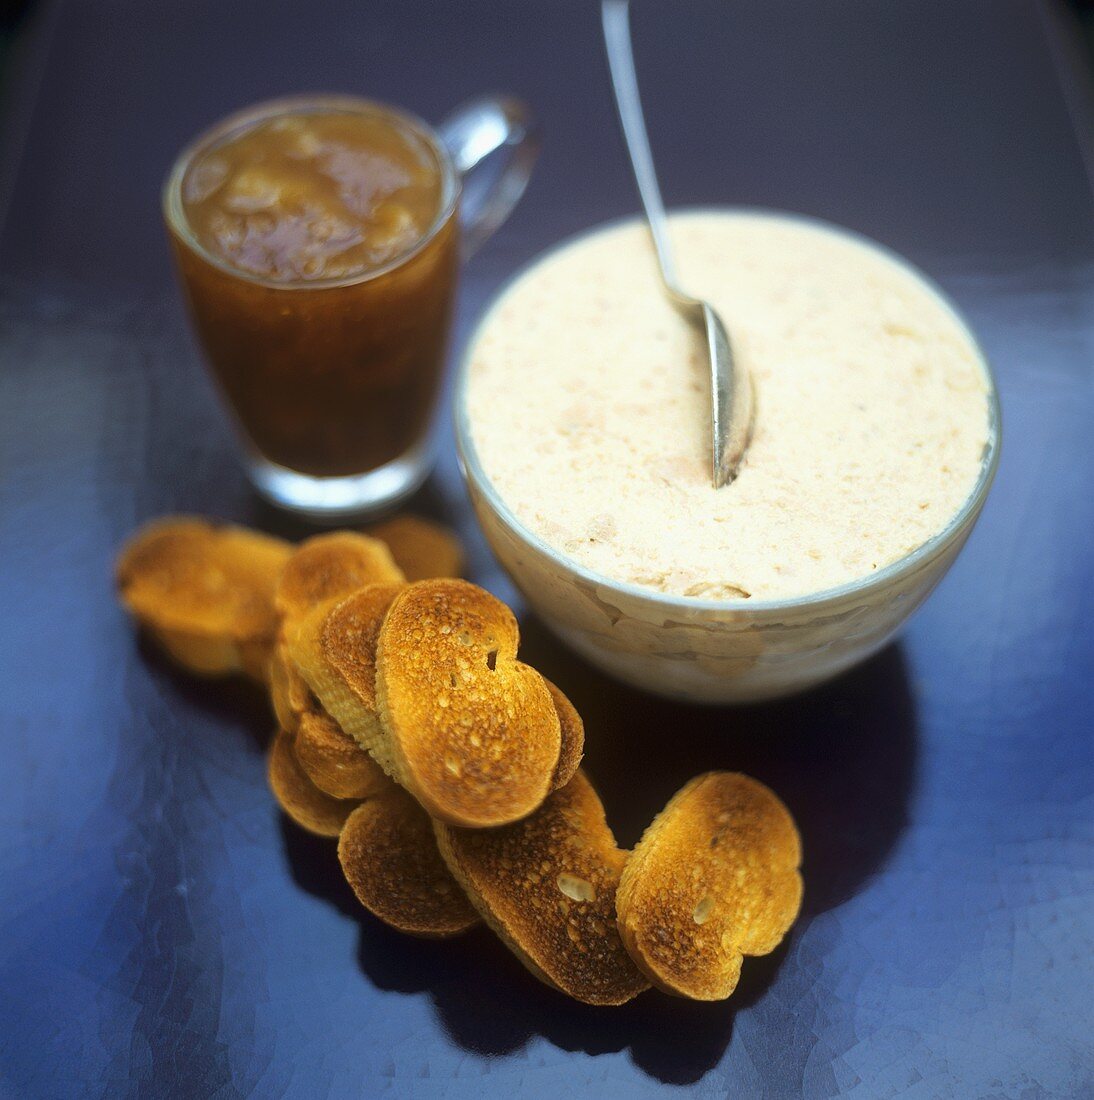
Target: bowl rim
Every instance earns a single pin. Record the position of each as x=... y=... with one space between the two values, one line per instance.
x=474 y=474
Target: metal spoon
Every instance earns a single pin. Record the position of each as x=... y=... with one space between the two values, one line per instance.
x=730 y=386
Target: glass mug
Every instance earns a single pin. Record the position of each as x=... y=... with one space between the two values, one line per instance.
x=333 y=380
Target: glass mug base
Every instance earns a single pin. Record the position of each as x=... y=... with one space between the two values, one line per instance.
x=338 y=498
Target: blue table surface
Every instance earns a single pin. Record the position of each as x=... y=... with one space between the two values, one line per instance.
x=163 y=932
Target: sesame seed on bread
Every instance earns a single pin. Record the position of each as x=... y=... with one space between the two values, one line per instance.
x=546 y=885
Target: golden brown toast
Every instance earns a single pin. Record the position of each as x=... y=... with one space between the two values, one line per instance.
x=421 y=548
x=334 y=649
x=332 y=565
x=289 y=692
x=301 y=799
x=389 y=856
x=471 y=732
x=546 y=885
x=333 y=761
x=573 y=738
x=714 y=877
x=321 y=570
x=205 y=592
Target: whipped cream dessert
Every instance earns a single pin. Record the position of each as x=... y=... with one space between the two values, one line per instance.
x=588 y=405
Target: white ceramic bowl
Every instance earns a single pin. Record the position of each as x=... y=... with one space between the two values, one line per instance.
x=718 y=651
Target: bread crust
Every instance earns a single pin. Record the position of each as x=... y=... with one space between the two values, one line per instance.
x=546 y=885
x=572 y=737
x=289 y=693
x=389 y=856
x=333 y=761
x=333 y=648
x=714 y=877
x=301 y=799
x=323 y=570
x=471 y=732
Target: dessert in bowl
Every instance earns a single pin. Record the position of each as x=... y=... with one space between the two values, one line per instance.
x=582 y=413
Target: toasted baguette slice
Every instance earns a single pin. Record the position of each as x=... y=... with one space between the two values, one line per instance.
x=333 y=761
x=334 y=650
x=573 y=738
x=205 y=592
x=546 y=885
x=301 y=799
x=330 y=758
x=421 y=548
x=322 y=570
x=389 y=856
x=332 y=566
x=713 y=878
x=290 y=695
x=471 y=732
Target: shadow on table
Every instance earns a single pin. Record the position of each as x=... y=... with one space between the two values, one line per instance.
x=841 y=756
x=233 y=701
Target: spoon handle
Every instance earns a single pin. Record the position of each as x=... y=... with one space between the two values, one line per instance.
x=730 y=388
x=617 y=39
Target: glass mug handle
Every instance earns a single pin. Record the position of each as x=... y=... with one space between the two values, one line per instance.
x=472 y=133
